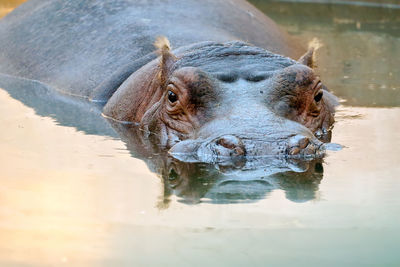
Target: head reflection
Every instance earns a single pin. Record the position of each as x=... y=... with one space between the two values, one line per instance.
x=245 y=181
x=195 y=182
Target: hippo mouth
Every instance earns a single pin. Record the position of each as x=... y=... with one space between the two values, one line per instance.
x=233 y=150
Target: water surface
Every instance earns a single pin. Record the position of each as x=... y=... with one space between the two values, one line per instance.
x=71 y=196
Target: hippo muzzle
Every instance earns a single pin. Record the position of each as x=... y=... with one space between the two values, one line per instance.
x=230 y=140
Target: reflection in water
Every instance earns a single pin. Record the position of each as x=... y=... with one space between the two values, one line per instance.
x=67 y=111
x=246 y=181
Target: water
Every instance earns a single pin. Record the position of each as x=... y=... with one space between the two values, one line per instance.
x=73 y=197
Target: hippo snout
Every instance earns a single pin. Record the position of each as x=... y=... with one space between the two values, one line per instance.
x=227 y=148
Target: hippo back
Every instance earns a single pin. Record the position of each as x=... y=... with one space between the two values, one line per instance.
x=86 y=47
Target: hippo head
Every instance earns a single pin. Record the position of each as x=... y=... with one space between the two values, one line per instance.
x=215 y=102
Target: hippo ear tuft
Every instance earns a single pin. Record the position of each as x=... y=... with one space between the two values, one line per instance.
x=309 y=58
x=162 y=43
x=167 y=58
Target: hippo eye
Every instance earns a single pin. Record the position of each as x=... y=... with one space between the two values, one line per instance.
x=318 y=96
x=172 y=97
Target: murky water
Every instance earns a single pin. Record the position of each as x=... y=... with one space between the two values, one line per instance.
x=70 y=196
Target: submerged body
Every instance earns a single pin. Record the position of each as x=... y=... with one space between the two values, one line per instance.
x=213 y=98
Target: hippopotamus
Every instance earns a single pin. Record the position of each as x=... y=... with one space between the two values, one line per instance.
x=209 y=81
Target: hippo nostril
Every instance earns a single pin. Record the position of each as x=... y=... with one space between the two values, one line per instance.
x=233 y=144
x=297 y=143
x=238 y=151
x=294 y=151
x=228 y=141
x=303 y=142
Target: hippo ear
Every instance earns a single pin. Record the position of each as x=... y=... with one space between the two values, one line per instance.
x=308 y=58
x=167 y=58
